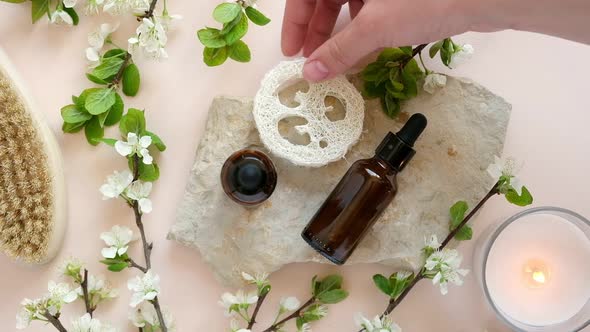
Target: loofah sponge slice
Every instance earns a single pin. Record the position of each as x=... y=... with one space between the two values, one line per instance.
x=32 y=197
x=329 y=140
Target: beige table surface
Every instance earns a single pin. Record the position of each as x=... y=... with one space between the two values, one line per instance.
x=545 y=79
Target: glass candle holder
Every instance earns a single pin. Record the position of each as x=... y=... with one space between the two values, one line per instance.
x=534 y=269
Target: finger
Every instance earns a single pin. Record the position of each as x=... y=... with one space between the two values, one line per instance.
x=298 y=13
x=342 y=51
x=355 y=6
x=322 y=24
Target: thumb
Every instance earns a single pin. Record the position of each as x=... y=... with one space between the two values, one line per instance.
x=342 y=51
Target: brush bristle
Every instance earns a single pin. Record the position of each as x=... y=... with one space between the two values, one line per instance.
x=26 y=211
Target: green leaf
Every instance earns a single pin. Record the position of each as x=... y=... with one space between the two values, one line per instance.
x=132 y=122
x=239 y=51
x=211 y=37
x=81 y=100
x=410 y=84
x=398 y=284
x=99 y=100
x=392 y=54
x=118 y=267
x=265 y=290
x=108 y=68
x=435 y=48
x=408 y=50
x=412 y=68
x=108 y=141
x=93 y=131
x=149 y=173
x=214 y=56
x=390 y=105
x=315 y=285
x=333 y=296
x=115 y=53
x=238 y=31
x=157 y=141
x=131 y=80
x=116 y=111
x=72 y=128
x=373 y=90
x=382 y=283
x=256 y=16
x=38 y=9
x=14 y=1
x=524 y=199
x=73 y=114
x=373 y=71
x=95 y=79
x=226 y=12
x=464 y=234
x=457 y=212
x=73 y=15
x=329 y=283
x=299 y=323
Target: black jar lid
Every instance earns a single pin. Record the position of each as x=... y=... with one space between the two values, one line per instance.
x=248 y=177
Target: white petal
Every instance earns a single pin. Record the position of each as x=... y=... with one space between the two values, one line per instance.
x=92 y=54
x=147 y=158
x=122 y=251
x=132 y=138
x=517 y=185
x=145 y=141
x=145 y=205
x=123 y=148
x=110 y=252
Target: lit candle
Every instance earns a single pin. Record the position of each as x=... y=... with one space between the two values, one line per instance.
x=538 y=270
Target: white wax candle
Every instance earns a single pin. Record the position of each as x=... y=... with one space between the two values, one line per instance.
x=538 y=270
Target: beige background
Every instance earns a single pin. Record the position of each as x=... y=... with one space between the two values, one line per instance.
x=546 y=80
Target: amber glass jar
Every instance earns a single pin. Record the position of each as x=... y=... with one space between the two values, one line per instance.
x=248 y=177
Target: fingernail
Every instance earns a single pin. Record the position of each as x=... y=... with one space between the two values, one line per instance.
x=315 y=71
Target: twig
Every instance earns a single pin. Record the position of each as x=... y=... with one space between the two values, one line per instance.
x=132 y=263
x=393 y=303
x=119 y=74
x=255 y=313
x=418 y=49
x=147 y=246
x=55 y=322
x=150 y=12
x=84 y=286
x=295 y=314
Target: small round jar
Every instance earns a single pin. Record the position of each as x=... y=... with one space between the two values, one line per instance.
x=248 y=177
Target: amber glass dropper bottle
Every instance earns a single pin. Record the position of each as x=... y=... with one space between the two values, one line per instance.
x=361 y=196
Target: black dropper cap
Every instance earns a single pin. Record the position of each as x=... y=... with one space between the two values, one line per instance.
x=397 y=149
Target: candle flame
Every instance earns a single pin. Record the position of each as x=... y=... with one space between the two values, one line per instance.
x=539 y=277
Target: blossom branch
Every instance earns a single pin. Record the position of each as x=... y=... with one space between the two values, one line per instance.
x=256 y=310
x=295 y=314
x=133 y=264
x=55 y=322
x=395 y=301
x=150 y=12
x=84 y=286
x=119 y=74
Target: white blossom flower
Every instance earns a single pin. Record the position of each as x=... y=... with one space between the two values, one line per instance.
x=507 y=168
x=260 y=279
x=151 y=39
x=432 y=242
x=86 y=324
x=116 y=7
x=71 y=267
x=30 y=310
x=240 y=299
x=139 y=191
x=433 y=82
x=69 y=3
x=145 y=288
x=117 y=240
x=289 y=304
x=59 y=294
x=306 y=327
x=234 y=327
x=60 y=17
x=98 y=290
x=376 y=324
x=116 y=184
x=145 y=314
x=167 y=20
x=249 y=3
x=462 y=54
x=443 y=267
x=92 y=7
x=135 y=145
x=98 y=37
